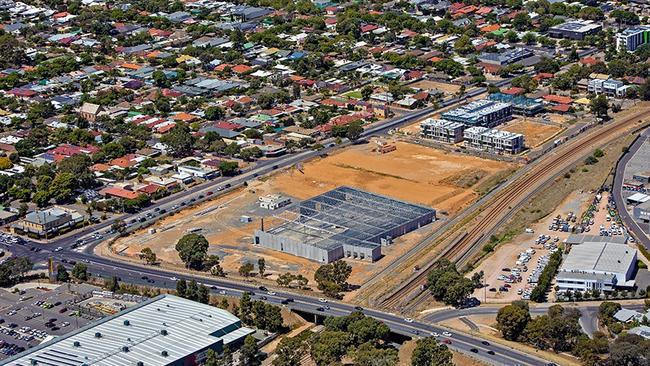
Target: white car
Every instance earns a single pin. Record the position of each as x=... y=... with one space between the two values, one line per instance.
x=323 y=300
x=446 y=334
x=435 y=334
x=408 y=320
x=271 y=293
x=222 y=292
x=173 y=279
x=58 y=249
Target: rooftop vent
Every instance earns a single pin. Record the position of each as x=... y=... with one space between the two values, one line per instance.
x=126 y=322
x=163 y=332
x=125 y=349
x=140 y=363
x=33 y=361
x=164 y=353
x=98 y=335
x=76 y=344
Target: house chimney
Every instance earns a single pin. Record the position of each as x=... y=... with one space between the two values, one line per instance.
x=262 y=224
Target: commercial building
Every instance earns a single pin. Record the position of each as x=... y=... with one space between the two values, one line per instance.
x=610 y=87
x=199 y=172
x=484 y=113
x=441 y=130
x=344 y=222
x=505 y=58
x=575 y=29
x=632 y=38
x=520 y=105
x=47 y=222
x=166 y=330
x=274 y=201
x=601 y=266
x=642 y=212
x=497 y=141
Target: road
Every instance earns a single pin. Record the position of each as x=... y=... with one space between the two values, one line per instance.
x=132 y=273
x=588 y=313
x=154 y=276
x=617 y=190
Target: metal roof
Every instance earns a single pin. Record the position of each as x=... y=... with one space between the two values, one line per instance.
x=168 y=323
x=602 y=257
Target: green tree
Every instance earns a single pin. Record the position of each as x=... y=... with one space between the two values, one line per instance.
x=80 y=271
x=112 y=284
x=369 y=355
x=329 y=347
x=428 y=352
x=512 y=320
x=62 y=274
x=214 y=113
x=447 y=284
x=228 y=168
x=62 y=186
x=261 y=266
x=246 y=269
x=366 y=92
x=249 y=352
x=192 y=249
x=179 y=139
x=599 y=105
x=148 y=255
x=354 y=130
x=181 y=287
x=290 y=351
x=332 y=278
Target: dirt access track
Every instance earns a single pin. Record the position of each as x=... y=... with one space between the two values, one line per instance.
x=413 y=173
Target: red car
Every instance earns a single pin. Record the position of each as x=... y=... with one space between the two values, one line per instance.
x=446 y=341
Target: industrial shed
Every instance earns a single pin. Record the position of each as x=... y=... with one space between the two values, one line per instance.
x=165 y=330
x=344 y=222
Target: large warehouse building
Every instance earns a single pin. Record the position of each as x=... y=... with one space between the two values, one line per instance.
x=166 y=330
x=601 y=265
x=344 y=222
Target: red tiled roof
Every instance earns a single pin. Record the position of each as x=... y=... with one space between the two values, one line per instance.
x=561 y=108
x=120 y=193
x=558 y=99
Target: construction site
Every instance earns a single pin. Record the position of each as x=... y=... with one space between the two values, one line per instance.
x=414 y=176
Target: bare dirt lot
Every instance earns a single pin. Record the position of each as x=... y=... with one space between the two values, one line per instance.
x=413 y=173
x=433 y=85
x=535 y=133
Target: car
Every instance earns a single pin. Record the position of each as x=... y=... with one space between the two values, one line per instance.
x=323 y=300
x=263 y=298
x=262 y=288
x=474 y=350
x=55 y=328
x=58 y=249
x=222 y=292
x=150 y=281
x=210 y=193
x=435 y=334
x=63 y=310
x=446 y=334
x=57 y=303
x=320 y=308
x=492 y=289
x=173 y=278
x=358 y=308
x=446 y=341
x=284 y=302
x=213 y=287
x=485 y=343
x=271 y=293
x=157 y=209
x=408 y=320
x=490 y=352
x=144 y=277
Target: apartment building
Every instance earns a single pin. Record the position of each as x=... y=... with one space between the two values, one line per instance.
x=610 y=87
x=497 y=141
x=483 y=113
x=632 y=38
x=441 y=130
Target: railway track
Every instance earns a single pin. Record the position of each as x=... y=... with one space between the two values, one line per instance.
x=495 y=212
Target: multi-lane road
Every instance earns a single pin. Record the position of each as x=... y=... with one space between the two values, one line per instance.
x=133 y=273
